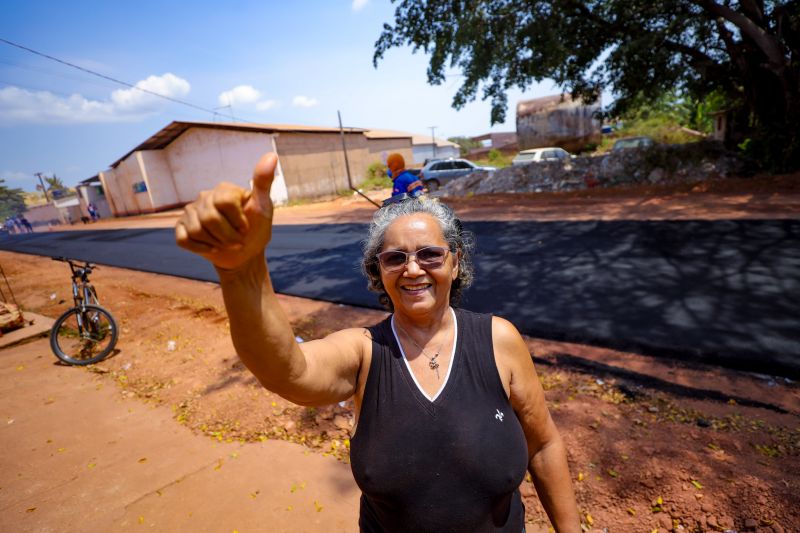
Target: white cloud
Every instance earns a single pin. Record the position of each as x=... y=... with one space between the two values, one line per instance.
x=135 y=100
x=266 y=104
x=304 y=101
x=358 y=5
x=245 y=96
x=240 y=95
x=124 y=105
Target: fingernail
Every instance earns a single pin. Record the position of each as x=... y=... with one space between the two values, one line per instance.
x=235 y=246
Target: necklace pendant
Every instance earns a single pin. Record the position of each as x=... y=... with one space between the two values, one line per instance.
x=434 y=365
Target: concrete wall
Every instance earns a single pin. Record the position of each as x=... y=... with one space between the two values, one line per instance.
x=568 y=124
x=94 y=194
x=42 y=215
x=201 y=158
x=119 y=182
x=158 y=176
x=379 y=150
x=313 y=163
x=425 y=151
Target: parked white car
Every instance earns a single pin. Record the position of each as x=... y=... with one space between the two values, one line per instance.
x=552 y=153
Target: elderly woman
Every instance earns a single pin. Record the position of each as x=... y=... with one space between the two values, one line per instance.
x=450 y=412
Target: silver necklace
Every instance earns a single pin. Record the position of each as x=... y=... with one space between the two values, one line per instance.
x=433 y=364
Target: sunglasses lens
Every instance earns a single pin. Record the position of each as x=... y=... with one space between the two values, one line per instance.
x=433 y=256
x=392 y=260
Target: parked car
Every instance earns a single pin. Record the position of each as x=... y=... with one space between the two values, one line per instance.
x=438 y=172
x=552 y=153
x=608 y=165
x=632 y=142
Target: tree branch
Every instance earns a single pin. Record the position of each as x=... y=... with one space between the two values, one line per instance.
x=769 y=45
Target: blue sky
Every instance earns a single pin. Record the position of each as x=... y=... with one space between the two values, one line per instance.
x=274 y=62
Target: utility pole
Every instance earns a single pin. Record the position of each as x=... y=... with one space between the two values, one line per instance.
x=347 y=164
x=44 y=189
x=433 y=139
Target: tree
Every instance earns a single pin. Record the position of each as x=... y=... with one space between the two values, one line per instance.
x=54 y=183
x=11 y=201
x=747 y=51
x=465 y=144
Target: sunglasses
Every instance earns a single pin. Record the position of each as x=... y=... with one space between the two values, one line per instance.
x=428 y=257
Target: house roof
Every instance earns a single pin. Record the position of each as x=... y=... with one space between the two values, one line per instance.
x=415 y=139
x=87 y=181
x=173 y=130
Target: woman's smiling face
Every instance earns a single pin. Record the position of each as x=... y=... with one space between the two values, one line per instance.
x=415 y=290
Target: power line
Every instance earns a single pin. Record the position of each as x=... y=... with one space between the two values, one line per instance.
x=109 y=78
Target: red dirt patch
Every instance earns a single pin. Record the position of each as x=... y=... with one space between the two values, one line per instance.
x=653 y=444
x=631 y=441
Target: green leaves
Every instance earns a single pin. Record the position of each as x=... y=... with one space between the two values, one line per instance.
x=639 y=49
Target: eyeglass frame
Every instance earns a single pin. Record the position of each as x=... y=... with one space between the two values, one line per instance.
x=408 y=258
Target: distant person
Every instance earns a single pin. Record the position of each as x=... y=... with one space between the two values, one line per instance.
x=25 y=224
x=404 y=182
x=93 y=211
x=450 y=413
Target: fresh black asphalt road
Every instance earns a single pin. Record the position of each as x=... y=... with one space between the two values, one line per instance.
x=719 y=291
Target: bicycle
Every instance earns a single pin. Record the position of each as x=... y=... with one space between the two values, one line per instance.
x=86 y=333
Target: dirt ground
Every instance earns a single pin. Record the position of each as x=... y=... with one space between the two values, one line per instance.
x=654 y=445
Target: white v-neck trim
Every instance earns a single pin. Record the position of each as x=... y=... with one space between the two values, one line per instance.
x=449 y=369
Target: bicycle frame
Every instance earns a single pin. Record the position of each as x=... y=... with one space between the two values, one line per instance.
x=81 y=292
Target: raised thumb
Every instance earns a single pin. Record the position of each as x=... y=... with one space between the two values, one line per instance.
x=264 y=172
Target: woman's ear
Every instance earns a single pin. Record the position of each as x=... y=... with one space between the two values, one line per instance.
x=457 y=260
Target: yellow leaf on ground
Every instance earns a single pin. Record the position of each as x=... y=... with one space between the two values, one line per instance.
x=580 y=476
x=30 y=509
x=219 y=464
x=631 y=511
x=289 y=508
x=659 y=501
x=317 y=506
x=141 y=520
x=589 y=519
x=21 y=367
x=143 y=460
x=91 y=465
x=697 y=484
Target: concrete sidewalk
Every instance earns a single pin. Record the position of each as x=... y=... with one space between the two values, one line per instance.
x=81 y=457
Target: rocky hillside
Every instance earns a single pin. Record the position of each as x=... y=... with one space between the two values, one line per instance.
x=682 y=163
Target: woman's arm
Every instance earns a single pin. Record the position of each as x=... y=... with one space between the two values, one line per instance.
x=231 y=227
x=547 y=457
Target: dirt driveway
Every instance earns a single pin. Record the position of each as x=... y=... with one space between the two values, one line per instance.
x=653 y=444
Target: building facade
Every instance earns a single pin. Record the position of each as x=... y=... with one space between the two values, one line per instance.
x=557 y=120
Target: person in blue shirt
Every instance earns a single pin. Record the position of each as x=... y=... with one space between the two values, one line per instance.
x=404 y=181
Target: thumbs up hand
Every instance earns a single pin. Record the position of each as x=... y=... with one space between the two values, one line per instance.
x=230 y=225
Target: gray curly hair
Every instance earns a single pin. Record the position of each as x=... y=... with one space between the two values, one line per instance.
x=458 y=240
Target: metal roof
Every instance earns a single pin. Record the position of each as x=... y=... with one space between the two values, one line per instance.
x=173 y=130
x=415 y=139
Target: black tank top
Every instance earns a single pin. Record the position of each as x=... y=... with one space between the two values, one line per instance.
x=451 y=464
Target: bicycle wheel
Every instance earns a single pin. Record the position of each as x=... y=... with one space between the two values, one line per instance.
x=83 y=336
